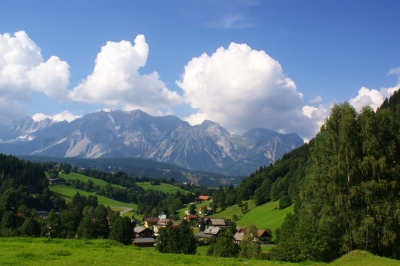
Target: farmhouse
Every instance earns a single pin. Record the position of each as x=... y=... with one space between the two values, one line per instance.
x=189 y=217
x=262 y=235
x=206 y=222
x=150 y=222
x=214 y=231
x=201 y=199
x=142 y=232
x=217 y=222
x=204 y=210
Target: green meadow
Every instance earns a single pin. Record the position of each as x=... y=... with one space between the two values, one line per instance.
x=265 y=216
x=47 y=251
x=233 y=210
x=69 y=192
x=165 y=188
x=98 y=182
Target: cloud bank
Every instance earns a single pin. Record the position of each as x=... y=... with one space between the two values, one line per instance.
x=242 y=88
x=116 y=82
x=23 y=70
x=372 y=97
x=63 y=116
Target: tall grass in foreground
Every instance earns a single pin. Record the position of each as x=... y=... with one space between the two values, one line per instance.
x=43 y=251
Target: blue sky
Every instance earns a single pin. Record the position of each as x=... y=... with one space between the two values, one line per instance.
x=243 y=64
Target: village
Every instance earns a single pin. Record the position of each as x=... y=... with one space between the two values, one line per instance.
x=205 y=228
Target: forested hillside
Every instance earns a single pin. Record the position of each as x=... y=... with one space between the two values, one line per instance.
x=349 y=196
x=24 y=194
x=344 y=183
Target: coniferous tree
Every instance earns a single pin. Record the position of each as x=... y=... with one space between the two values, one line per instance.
x=177 y=240
x=30 y=227
x=250 y=245
x=53 y=225
x=101 y=227
x=225 y=246
x=86 y=228
x=162 y=240
x=8 y=222
x=187 y=239
x=348 y=199
x=202 y=224
x=192 y=209
x=121 y=230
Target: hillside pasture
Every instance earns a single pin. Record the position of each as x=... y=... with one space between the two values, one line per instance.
x=69 y=192
x=233 y=210
x=98 y=182
x=265 y=216
x=165 y=188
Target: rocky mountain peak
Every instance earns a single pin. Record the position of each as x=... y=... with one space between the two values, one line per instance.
x=206 y=147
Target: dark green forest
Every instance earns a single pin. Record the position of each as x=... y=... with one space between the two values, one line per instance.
x=344 y=184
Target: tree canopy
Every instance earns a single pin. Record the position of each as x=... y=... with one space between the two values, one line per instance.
x=349 y=197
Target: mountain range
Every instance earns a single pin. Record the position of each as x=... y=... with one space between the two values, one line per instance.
x=207 y=147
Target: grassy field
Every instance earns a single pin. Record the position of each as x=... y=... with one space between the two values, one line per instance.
x=235 y=209
x=165 y=188
x=83 y=178
x=181 y=212
x=42 y=251
x=69 y=192
x=265 y=216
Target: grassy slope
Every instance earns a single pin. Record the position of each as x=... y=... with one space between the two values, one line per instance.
x=265 y=216
x=69 y=192
x=41 y=251
x=165 y=188
x=358 y=257
x=235 y=209
x=83 y=178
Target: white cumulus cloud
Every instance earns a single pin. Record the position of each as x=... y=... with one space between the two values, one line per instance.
x=242 y=88
x=63 y=116
x=317 y=114
x=23 y=70
x=371 y=97
x=116 y=82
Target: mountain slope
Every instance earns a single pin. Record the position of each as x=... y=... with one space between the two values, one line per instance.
x=206 y=147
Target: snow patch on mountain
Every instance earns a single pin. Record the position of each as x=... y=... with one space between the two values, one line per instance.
x=206 y=147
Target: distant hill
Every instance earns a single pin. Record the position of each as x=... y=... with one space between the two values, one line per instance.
x=207 y=147
x=140 y=167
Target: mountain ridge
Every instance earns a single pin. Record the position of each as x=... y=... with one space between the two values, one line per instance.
x=206 y=147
